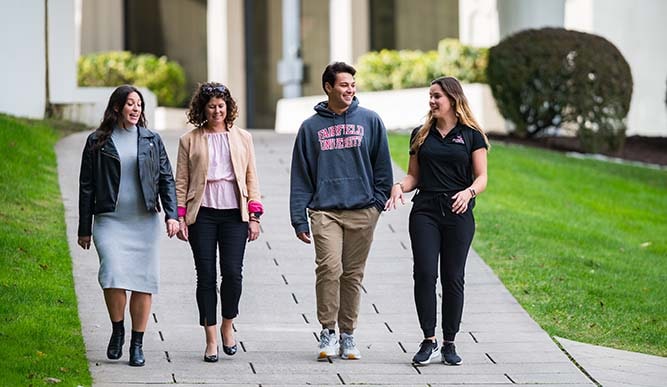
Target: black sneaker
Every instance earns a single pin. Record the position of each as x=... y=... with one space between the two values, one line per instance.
x=428 y=350
x=449 y=355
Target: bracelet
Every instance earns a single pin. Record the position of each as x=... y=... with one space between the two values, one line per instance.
x=400 y=185
x=255 y=220
x=472 y=191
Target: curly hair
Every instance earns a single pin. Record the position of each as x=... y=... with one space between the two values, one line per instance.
x=205 y=91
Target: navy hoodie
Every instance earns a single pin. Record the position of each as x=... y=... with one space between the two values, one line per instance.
x=340 y=161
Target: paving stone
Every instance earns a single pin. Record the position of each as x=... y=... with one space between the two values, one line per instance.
x=278 y=335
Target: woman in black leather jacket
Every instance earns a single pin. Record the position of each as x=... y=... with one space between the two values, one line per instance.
x=124 y=170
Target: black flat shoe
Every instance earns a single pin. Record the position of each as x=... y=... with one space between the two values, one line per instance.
x=211 y=358
x=115 y=348
x=230 y=351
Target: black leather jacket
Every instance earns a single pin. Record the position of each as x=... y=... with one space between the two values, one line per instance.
x=100 y=178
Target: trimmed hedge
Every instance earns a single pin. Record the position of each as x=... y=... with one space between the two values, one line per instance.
x=394 y=69
x=466 y=63
x=554 y=78
x=391 y=69
x=163 y=77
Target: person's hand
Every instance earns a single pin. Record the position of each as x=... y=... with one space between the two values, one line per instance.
x=182 y=230
x=172 y=227
x=84 y=242
x=304 y=236
x=253 y=231
x=395 y=196
x=460 y=201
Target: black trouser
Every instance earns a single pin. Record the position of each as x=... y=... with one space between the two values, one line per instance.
x=225 y=230
x=435 y=231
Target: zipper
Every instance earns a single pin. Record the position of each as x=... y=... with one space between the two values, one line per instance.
x=109 y=154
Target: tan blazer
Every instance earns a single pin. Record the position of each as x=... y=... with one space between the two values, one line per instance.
x=192 y=170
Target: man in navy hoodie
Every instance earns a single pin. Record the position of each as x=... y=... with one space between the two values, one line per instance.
x=341 y=177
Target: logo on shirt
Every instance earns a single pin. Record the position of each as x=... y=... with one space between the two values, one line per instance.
x=340 y=137
x=458 y=139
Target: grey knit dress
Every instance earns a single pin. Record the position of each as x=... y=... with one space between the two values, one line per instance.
x=126 y=239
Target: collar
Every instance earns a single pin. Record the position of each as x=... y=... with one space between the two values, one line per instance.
x=145 y=133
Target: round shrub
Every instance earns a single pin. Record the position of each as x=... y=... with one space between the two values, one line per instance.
x=163 y=77
x=554 y=78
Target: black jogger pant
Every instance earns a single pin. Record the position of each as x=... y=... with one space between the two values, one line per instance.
x=224 y=230
x=436 y=232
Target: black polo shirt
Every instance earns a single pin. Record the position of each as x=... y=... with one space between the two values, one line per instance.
x=445 y=164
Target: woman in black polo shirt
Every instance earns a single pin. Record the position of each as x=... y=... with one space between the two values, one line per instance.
x=448 y=166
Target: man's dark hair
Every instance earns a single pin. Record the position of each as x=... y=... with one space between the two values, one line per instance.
x=330 y=72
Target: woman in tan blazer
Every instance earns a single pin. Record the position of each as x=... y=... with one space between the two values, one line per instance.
x=219 y=206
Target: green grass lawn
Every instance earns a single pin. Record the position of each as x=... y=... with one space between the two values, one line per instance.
x=581 y=244
x=40 y=332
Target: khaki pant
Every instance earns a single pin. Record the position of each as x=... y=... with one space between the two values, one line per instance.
x=342 y=241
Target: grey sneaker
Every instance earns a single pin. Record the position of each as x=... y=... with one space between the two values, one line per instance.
x=348 y=349
x=428 y=350
x=449 y=355
x=328 y=345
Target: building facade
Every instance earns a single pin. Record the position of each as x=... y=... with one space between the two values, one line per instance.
x=265 y=50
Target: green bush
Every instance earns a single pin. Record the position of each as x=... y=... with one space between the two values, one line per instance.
x=163 y=77
x=554 y=78
x=394 y=69
x=467 y=63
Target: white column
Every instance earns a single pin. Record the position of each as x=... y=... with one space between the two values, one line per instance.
x=579 y=15
x=23 y=64
x=639 y=34
x=62 y=49
x=290 y=67
x=478 y=22
x=217 y=37
x=517 y=15
x=340 y=31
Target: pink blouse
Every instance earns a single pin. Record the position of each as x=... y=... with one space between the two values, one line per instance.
x=220 y=192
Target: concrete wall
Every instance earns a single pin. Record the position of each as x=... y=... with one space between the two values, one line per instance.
x=399 y=109
x=23 y=67
x=184 y=33
x=102 y=26
x=420 y=25
x=315 y=44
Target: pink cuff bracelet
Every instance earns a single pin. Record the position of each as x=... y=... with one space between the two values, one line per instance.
x=255 y=206
x=181 y=211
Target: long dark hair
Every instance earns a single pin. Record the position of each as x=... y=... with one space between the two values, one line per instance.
x=203 y=94
x=454 y=91
x=113 y=114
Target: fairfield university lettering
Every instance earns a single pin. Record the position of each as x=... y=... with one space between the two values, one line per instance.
x=340 y=136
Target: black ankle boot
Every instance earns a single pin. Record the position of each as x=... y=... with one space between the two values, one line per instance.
x=115 y=348
x=136 y=349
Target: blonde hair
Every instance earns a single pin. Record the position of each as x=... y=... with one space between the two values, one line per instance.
x=453 y=90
